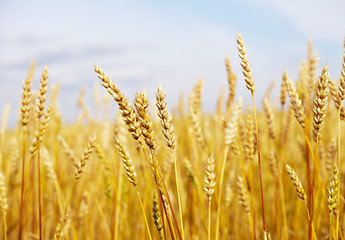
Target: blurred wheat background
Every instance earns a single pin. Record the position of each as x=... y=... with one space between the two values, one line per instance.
x=161 y=121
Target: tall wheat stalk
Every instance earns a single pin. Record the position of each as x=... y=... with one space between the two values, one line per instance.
x=168 y=132
x=25 y=114
x=42 y=96
x=341 y=94
x=319 y=113
x=248 y=77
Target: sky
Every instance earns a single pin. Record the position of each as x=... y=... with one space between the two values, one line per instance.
x=144 y=44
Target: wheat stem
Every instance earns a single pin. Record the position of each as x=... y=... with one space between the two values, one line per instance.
x=259 y=161
x=39 y=181
x=142 y=208
x=22 y=190
x=118 y=204
x=338 y=163
x=178 y=193
x=220 y=189
x=209 y=219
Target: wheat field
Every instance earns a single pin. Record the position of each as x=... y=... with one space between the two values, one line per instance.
x=242 y=172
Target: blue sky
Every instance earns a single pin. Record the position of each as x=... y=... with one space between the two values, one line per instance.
x=141 y=44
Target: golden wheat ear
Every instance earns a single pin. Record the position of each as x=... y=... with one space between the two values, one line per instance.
x=168 y=129
x=297 y=183
x=210 y=177
x=320 y=101
x=127 y=111
x=295 y=102
x=247 y=72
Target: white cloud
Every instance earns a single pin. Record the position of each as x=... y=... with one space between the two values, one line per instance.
x=314 y=18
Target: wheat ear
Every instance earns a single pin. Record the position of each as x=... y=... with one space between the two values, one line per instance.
x=297 y=183
x=168 y=129
x=157 y=217
x=231 y=82
x=295 y=102
x=126 y=109
x=270 y=118
x=142 y=107
x=283 y=89
x=243 y=195
x=209 y=188
x=127 y=162
x=333 y=192
x=86 y=156
x=248 y=75
x=320 y=101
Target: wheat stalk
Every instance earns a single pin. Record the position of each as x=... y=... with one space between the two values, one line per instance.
x=168 y=132
x=248 y=77
x=25 y=110
x=42 y=97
